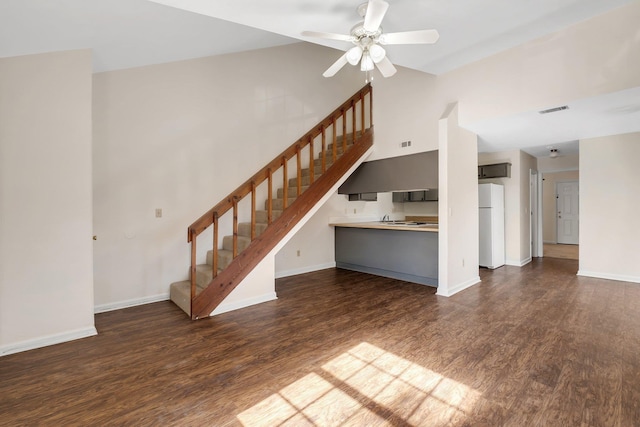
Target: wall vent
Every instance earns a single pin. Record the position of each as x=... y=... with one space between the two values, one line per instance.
x=553 y=110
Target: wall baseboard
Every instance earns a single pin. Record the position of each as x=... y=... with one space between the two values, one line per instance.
x=237 y=305
x=518 y=263
x=459 y=287
x=302 y=270
x=47 y=341
x=102 y=308
x=609 y=276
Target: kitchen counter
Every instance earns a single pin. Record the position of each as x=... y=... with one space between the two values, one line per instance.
x=407 y=252
x=380 y=225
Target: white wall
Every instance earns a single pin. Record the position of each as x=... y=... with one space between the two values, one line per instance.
x=609 y=206
x=570 y=162
x=183 y=135
x=46 y=265
x=458 y=239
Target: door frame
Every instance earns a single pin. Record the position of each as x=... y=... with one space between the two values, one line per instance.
x=535 y=209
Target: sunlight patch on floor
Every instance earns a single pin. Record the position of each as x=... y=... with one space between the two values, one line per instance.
x=366 y=386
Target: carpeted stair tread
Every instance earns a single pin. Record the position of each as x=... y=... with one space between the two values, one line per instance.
x=243 y=242
x=261 y=216
x=291 y=191
x=244 y=229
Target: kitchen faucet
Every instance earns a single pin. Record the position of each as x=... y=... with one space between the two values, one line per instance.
x=385 y=218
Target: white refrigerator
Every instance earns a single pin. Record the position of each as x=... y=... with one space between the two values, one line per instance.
x=491 y=202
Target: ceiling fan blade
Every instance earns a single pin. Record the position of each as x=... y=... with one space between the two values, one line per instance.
x=330 y=36
x=376 y=10
x=341 y=62
x=410 y=37
x=386 y=67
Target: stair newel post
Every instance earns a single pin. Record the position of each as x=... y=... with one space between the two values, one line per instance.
x=285 y=183
x=324 y=148
x=215 y=245
x=253 y=210
x=334 y=147
x=270 y=196
x=299 y=170
x=311 y=161
x=354 y=115
x=344 y=130
x=234 y=201
x=193 y=267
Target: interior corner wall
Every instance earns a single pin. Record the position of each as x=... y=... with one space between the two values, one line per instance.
x=511 y=200
x=594 y=57
x=46 y=263
x=180 y=137
x=458 y=239
x=609 y=183
x=528 y=163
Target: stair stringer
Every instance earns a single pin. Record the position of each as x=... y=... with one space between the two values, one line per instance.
x=241 y=296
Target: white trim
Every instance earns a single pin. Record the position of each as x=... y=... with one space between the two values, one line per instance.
x=224 y=308
x=102 y=308
x=609 y=276
x=47 y=340
x=306 y=269
x=520 y=263
x=459 y=287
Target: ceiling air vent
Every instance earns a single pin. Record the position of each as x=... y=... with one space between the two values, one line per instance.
x=553 y=110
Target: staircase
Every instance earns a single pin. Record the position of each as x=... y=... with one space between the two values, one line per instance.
x=350 y=130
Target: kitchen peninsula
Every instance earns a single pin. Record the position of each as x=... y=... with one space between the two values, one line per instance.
x=405 y=250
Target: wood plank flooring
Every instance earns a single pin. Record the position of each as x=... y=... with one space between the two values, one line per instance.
x=561 y=251
x=531 y=346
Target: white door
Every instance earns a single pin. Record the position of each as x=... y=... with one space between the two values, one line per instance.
x=567 y=204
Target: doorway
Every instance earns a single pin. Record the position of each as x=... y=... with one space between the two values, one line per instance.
x=567 y=208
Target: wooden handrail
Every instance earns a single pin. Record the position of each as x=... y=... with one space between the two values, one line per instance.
x=206 y=220
x=240 y=265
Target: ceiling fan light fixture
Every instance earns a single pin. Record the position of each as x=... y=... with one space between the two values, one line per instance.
x=354 y=54
x=367 y=63
x=377 y=53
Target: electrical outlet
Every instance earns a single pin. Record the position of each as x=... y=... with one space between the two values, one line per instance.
x=298 y=252
x=158 y=212
x=405 y=144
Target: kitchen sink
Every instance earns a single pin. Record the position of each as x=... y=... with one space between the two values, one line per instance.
x=409 y=223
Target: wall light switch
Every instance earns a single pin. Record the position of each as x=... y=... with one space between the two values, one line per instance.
x=158 y=212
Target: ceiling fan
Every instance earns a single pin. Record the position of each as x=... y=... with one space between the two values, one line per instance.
x=367 y=36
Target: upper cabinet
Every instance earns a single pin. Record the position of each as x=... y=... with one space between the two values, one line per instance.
x=415 y=196
x=498 y=170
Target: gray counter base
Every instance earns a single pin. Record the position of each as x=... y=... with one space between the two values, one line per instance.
x=390 y=274
x=411 y=256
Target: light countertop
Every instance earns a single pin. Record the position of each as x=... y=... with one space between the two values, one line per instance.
x=378 y=225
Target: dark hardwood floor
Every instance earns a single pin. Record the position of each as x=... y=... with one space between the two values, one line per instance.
x=531 y=346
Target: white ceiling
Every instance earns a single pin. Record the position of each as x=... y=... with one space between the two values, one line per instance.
x=131 y=33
